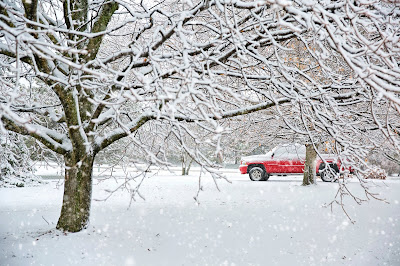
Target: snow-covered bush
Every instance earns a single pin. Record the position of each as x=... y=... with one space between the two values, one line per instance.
x=375 y=173
x=15 y=164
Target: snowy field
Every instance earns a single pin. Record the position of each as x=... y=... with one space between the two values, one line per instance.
x=277 y=222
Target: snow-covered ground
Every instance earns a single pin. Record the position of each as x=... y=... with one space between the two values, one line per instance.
x=277 y=222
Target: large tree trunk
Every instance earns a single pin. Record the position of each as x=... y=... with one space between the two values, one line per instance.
x=310 y=172
x=77 y=195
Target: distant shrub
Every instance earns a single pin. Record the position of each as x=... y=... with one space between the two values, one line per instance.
x=375 y=173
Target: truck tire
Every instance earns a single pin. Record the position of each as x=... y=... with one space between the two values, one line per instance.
x=330 y=173
x=258 y=174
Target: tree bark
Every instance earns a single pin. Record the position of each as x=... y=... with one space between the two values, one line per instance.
x=77 y=195
x=310 y=172
x=186 y=165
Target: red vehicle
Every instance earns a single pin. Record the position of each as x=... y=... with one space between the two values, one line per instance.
x=287 y=159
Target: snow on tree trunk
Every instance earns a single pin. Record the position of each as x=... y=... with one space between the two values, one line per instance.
x=309 y=176
x=77 y=195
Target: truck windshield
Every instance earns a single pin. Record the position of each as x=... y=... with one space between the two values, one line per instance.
x=289 y=151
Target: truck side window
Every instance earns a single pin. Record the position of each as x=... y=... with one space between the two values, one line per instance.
x=280 y=153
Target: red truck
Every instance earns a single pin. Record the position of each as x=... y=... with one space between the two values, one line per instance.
x=287 y=159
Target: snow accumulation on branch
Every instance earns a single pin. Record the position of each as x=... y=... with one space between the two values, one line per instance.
x=53 y=140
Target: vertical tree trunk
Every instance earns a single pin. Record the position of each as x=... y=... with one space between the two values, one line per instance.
x=236 y=157
x=183 y=170
x=186 y=163
x=310 y=172
x=77 y=195
x=183 y=161
x=188 y=166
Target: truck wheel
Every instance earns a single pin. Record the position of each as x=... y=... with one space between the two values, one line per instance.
x=330 y=173
x=258 y=174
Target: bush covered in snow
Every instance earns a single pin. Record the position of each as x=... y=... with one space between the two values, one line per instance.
x=15 y=164
x=26 y=179
x=375 y=173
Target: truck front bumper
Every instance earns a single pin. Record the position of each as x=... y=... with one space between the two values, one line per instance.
x=243 y=169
